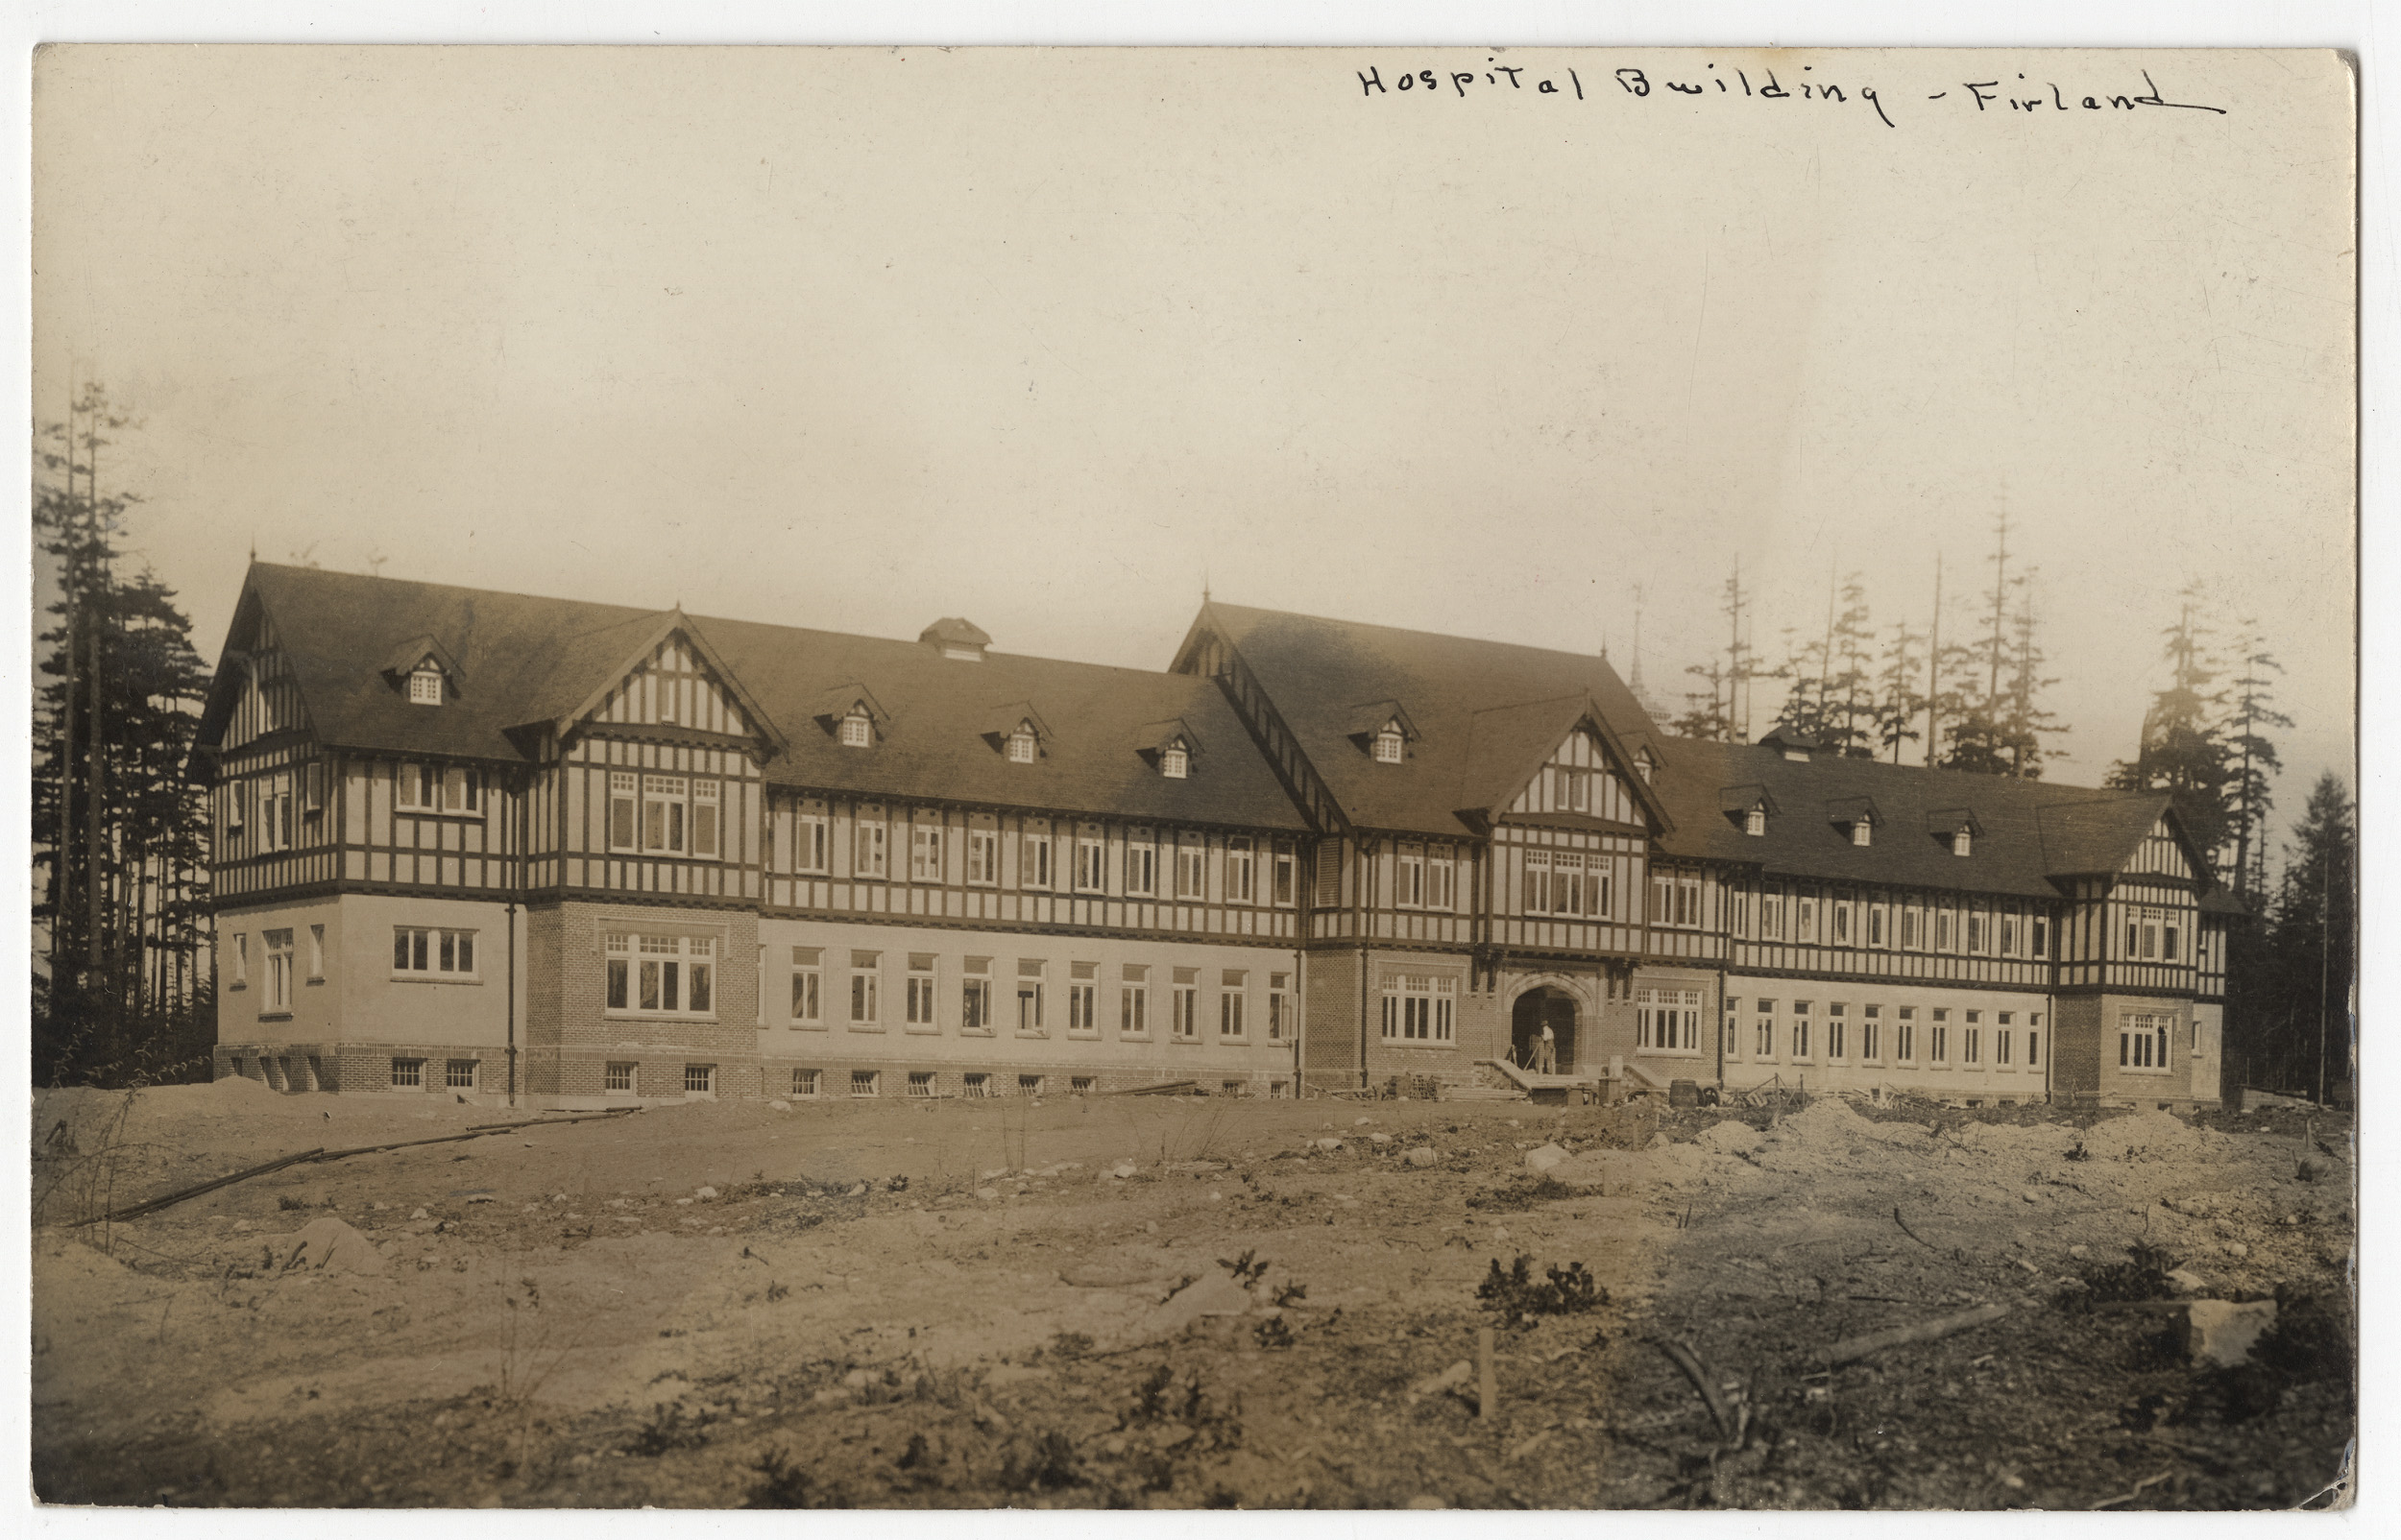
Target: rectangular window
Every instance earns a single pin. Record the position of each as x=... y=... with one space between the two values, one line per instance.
x=2167 y=943
x=1242 y=866
x=1730 y=1041
x=409 y=1075
x=868 y=856
x=806 y=1083
x=1975 y=933
x=975 y=993
x=866 y=980
x=1939 y=1042
x=1875 y=924
x=920 y=1002
x=1287 y=874
x=1034 y=868
x=1667 y=1021
x=1441 y=880
x=662 y=976
x=1905 y=1035
x=240 y=960
x=924 y=853
x=1771 y=917
x=1233 y=995
x=1837 y=1029
x=808 y=986
x=1142 y=864
x=2001 y=1047
x=810 y=840
x=1842 y=924
x=1191 y=870
x=1409 y=886
x=416 y=788
x=1084 y=999
x=1133 y=1000
x=1280 y=1026
x=1030 y=1085
x=2033 y=1050
x=1971 y=1044
x=1091 y=864
x=1800 y=1029
x=1081 y=1085
x=1870 y=1030
x=665 y=815
x=1942 y=931
x=462 y=790
x=2008 y=935
x=975 y=1085
x=865 y=1082
x=316 y=954
x=921 y=1084
x=459 y=1075
x=1419 y=1007
x=984 y=856
x=1763 y=1029
x=423 y=951
x=2142 y=1040
x=1183 y=1009
x=275 y=808
x=279 y=944
x=1031 y=972
x=2041 y=937
x=618 y=1076
x=1805 y=917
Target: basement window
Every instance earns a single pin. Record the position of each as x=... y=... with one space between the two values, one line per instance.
x=921 y=1084
x=459 y=1075
x=865 y=1082
x=409 y=1075
x=700 y=1080
x=805 y=1083
x=618 y=1077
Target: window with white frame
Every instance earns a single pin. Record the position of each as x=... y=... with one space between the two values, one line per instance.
x=921 y=1084
x=1675 y=898
x=1084 y=999
x=1801 y=1029
x=1441 y=878
x=806 y=1083
x=1938 y=1039
x=2142 y=1040
x=1875 y=925
x=1185 y=1005
x=418 y=788
x=1020 y=745
x=1409 y=877
x=425 y=687
x=1174 y=761
x=1569 y=884
x=1771 y=916
x=976 y=1085
x=1141 y=863
x=809 y=986
x=279 y=945
x=1032 y=979
x=665 y=814
x=857 y=730
x=1191 y=869
x=2001 y=1045
x=1842 y=921
x=1133 y=999
x=1092 y=856
x=918 y=1014
x=1837 y=1029
x=812 y=839
x=1667 y=1021
x=1730 y=1042
x=659 y=976
x=1030 y=1085
x=1962 y=842
x=459 y=1075
x=870 y=854
x=866 y=987
x=1242 y=870
x=1763 y=1028
x=275 y=808
x=618 y=1076
x=624 y=807
x=1280 y=1026
x=1909 y=927
x=1390 y=744
x=1905 y=1033
x=924 y=853
x=1419 y=1007
x=1033 y=867
x=1285 y=881
x=866 y=1082
x=1755 y=822
x=433 y=952
x=2008 y=935
x=984 y=856
x=2034 y=1046
x=409 y=1075
x=1971 y=1044
x=1871 y=1034
x=1975 y=933
x=1233 y=996
x=1804 y=918
x=1862 y=831
x=974 y=996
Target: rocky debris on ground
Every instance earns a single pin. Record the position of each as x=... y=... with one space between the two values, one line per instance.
x=329 y=1245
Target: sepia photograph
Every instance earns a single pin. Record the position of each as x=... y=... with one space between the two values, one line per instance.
x=1335 y=778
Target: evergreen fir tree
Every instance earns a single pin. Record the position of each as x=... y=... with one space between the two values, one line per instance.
x=2183 y=750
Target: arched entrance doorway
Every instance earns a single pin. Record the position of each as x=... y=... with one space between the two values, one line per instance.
x=1527 y=1018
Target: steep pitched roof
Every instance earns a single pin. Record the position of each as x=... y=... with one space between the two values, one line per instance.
x=2032 y=834
x=537 y=660
x=1485 y=711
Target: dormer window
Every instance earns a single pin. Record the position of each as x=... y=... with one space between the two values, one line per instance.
x=858 y=730
x=1174 y=762
x=1961 y=842
x=1644 y=765
x=1020 y=745
x=1755 y=822
x=425 y=687
x=1862 y=831
x=1388 y=742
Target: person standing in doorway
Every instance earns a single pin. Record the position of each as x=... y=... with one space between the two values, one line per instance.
x=1547 y=1052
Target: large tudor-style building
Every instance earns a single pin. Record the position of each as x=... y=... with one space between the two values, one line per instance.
x=580 y=853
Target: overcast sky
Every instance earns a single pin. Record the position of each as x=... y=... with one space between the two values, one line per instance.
x=858 y=340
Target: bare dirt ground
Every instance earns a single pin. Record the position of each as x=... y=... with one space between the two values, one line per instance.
x=1153 y=1302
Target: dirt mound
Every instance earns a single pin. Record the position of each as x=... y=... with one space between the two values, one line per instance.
x=2145 y=1136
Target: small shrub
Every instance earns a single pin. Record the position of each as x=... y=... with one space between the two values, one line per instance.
x=2144 y=1276
x=1245 y=1270
x=782 y=1484
x=2080 y=1153
x=669 y=1430
x=285 y=1203
x=1567 y=1291
x=1273 y=1334
x=1046 y=1462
